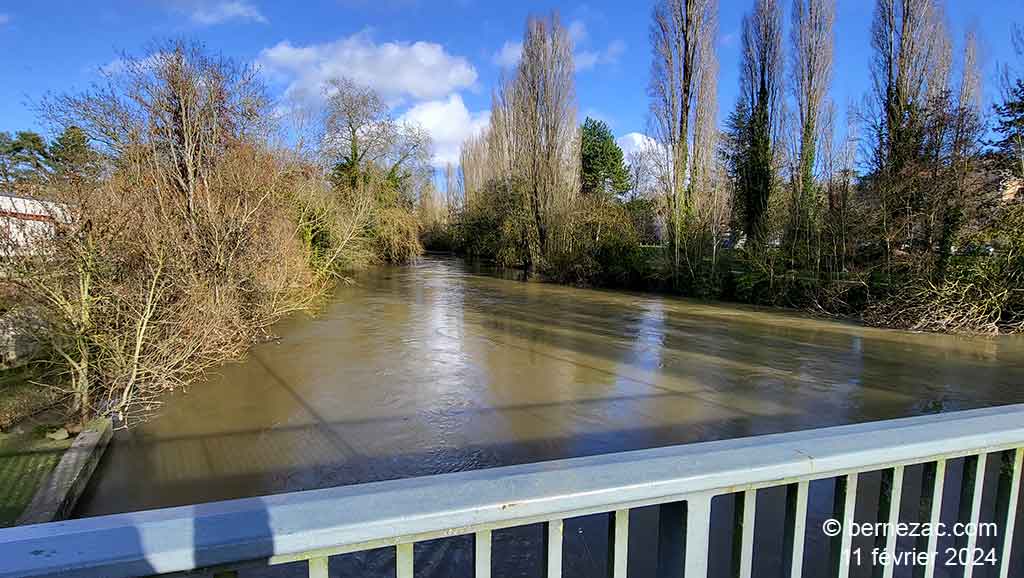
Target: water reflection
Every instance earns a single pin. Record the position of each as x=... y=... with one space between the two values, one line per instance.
x=442 y=367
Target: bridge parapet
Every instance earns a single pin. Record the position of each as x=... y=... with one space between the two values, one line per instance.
x=315 y=525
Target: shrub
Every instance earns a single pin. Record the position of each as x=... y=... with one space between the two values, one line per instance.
x=396 y=233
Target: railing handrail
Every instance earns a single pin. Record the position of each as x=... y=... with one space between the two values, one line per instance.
x=336 y=520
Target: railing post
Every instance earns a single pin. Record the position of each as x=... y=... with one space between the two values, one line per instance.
x=932 y=483
x=404 y=560
x=1006 y=504
x=845 y=504
x=318 y=567
x=974 y=475
x=553 y=548
x=698 y=527
x=889 y=510
x=747 y=533
x=482 y=554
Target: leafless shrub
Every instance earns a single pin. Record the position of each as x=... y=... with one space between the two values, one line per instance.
x=184 y=248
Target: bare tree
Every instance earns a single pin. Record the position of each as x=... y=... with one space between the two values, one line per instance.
x=958 y=197
x=474 y=165
x=359 y=132
x=642 y=171
x=544 y=112
x=186 y=105
x=709 y=194
x=811 y=73
x=682 y=33
x=532 y=141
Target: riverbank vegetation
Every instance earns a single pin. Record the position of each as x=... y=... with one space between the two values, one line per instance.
x=908 y=217
x=179 y=211
x=178 y=227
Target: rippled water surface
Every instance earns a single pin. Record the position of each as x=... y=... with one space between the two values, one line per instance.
x=442 y=366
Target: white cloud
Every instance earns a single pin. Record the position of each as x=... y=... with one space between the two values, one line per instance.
x=511 y=52
x=588 y=59
x=119 y=65
x=635 y=141
x=614 y=50
x=577 y=31
x=420 y=70
x=449 y=123
x=509 y=55
x=217 y=12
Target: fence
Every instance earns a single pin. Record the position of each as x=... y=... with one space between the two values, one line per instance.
x=315 y=525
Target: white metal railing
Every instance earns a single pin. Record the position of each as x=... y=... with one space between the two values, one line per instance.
x=315 y=525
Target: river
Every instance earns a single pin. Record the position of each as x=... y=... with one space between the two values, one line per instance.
x=443 y=366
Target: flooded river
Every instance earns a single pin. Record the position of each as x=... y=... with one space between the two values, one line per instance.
x=442 y=366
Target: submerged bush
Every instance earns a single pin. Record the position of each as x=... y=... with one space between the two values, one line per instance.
x=495 y=225
x=975 y=293
x=604 y=248
x=396 y=232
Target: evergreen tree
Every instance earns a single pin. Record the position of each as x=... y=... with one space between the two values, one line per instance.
x=22 y=158
x=70 y=153
x=602 y=169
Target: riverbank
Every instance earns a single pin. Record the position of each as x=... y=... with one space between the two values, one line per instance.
x=44 y=469
x=20 y=398
x=35 y=443
x=26 y=459
x=894 y=302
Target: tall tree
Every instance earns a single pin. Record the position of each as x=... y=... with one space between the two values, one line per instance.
x=602 y=169
x=681 y=33
x=760 y=85
x=958 y=194
x=71 y=156
x=709 y=193
x=910 y=63
x=543 y=125
x=812 y=42
x=530 y=152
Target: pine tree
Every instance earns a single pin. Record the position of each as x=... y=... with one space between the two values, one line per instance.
x=602 y=170
x=22 y=158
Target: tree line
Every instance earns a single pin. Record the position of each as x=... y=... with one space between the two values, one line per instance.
x=907 y=217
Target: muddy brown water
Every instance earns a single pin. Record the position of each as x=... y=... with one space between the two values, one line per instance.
x=445 y=366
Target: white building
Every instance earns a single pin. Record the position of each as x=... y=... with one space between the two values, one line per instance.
x=22 y=220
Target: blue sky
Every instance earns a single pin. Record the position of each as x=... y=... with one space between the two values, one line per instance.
x=436 y=61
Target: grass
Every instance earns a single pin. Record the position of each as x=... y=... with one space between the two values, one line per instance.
x=25 y=460
x=19 y=398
